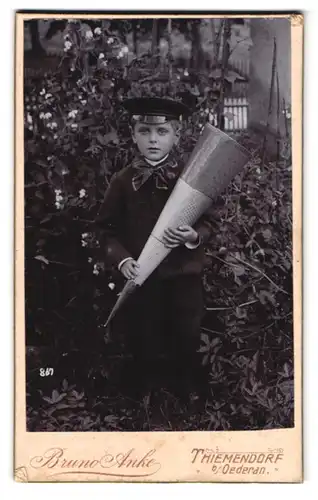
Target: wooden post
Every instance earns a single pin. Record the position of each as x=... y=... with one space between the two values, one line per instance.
x=225 y=59
x=278 y=119
x=270 y=103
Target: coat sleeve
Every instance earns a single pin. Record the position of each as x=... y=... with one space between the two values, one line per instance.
x=109 y=220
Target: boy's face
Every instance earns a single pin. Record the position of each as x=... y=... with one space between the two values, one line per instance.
x=154 y=141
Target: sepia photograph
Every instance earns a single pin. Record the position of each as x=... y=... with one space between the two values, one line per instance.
x=158 y=222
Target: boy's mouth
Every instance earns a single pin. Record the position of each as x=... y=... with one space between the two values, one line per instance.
x=153 y=149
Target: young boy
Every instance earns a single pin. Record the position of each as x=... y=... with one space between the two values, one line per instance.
x=163 y=315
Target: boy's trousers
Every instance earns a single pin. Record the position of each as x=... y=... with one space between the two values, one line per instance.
x=161 y=326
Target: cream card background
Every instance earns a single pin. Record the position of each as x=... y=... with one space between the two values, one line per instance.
x=170 y=454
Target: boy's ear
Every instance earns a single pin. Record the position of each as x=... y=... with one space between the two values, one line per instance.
x=132 y=134
x=177 y=137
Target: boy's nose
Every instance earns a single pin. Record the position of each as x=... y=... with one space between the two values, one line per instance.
x=153 y=137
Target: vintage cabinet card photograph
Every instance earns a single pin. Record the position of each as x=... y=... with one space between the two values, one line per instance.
x=158 y=247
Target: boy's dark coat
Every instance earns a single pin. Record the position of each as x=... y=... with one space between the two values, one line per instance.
x=127 y=217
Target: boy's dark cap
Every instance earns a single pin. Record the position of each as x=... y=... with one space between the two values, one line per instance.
x=155 y=109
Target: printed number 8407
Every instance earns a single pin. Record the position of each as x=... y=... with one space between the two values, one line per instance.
x=46 y=372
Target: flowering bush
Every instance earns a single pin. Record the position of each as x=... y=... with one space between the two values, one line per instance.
x=76 y=137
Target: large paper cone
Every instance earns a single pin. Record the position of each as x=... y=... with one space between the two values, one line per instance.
x=215 y=160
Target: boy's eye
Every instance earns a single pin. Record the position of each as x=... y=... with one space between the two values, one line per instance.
x=143 y=130
x=162 y=131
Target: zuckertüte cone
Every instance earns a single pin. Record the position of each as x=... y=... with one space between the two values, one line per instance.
x=215 y=160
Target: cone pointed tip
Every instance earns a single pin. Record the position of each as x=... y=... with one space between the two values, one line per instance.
x=126 y=291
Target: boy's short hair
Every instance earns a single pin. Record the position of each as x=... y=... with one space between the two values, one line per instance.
x=176 y=124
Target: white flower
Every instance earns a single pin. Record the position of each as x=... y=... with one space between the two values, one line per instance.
x=58 y=204
x=89 y=34
x=41 y=115
x=110 y=40
x=30 y=127
x=84 y=235
x=42 y=92
x=84 y=243
x=74 y=126
x=49 y=158
x=186 y=72
x=29 y=118
x=90 y=259
x=125 y=49
x=59 y=198
x=57 y=191
x=72 y=114
x=258 y=170
x=53 y=125
x=96 y=271
x=64 y=171
x=82 y=193
x=101 y=56
x=28 y=107
x=111 y=286
x=120 y=55
x=288 y=115
x=67 y=45
x=43 y=137
x=48 y=96
x=83 y=101
x=97 y=31
x=55 y=136
x=48 y=115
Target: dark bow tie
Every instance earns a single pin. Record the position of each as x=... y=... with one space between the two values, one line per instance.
x=163 y=173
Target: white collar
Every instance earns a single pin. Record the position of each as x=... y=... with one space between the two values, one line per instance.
x=154 y=163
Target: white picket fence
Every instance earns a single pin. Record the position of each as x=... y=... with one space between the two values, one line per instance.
x=235 y=114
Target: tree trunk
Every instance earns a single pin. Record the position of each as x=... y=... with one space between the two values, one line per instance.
x=154 y=37
x=169 y=29
x=35 y=37
x=135 y=40
x=218 y=42
x=196 y=53
x=215 y=40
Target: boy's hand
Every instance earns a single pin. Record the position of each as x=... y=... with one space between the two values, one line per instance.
x=130 y=269
x=183 y=234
